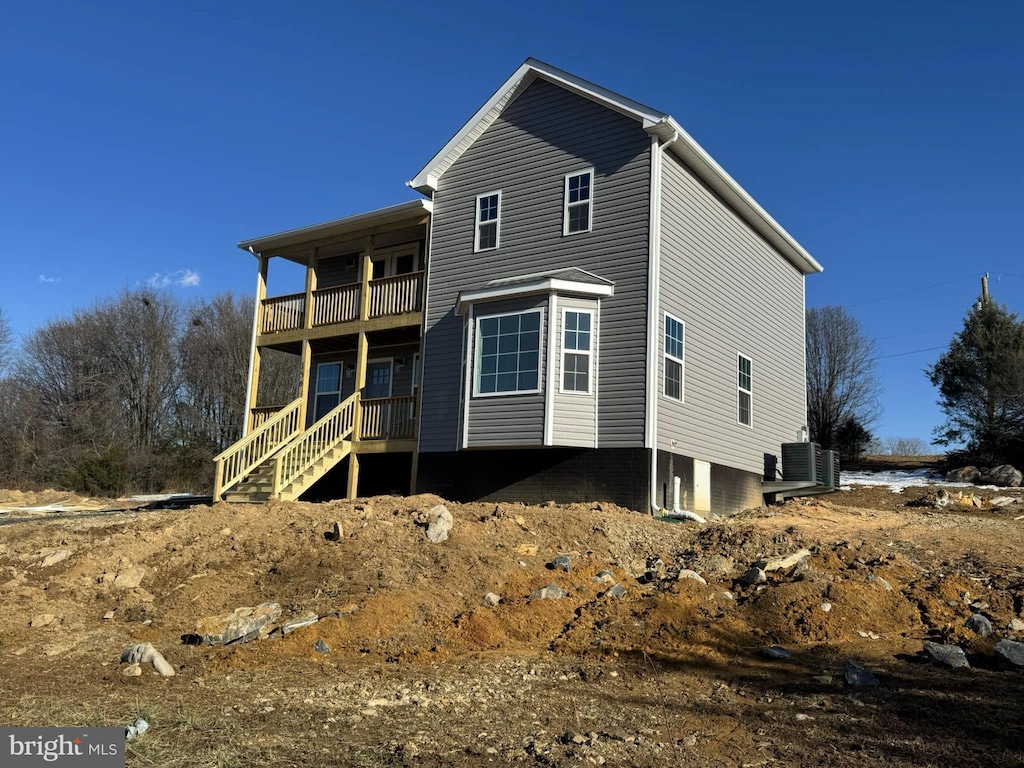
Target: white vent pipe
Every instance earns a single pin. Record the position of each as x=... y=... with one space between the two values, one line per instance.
x=676 y=511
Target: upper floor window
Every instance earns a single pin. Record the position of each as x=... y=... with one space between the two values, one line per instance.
x=579 y=191
x=488 y=219
x=508 y=353
x=674 y=348
x=744 y=391
x=576 y=350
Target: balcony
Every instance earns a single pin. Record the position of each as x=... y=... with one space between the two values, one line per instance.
x=387 y=297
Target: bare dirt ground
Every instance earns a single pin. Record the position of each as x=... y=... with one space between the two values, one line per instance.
x=422 y=671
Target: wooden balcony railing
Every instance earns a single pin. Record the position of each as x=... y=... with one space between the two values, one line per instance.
x=314 y=443
x=388 y=296
x=260 y=416
x=388 y=418
x=396 y=295
x=253 y=449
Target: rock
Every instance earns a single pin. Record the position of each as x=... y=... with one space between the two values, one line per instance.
x=822 y=679
x=1005 y=476
x=963 y=475
x=604 y=577
x=1012 y=651
x=136 y=729
x=727 y=595
x=686 y=573
x=616 y=591
x=241 y=625
x=550 y=592
x=855 y=674
x=321 y=647
x=492 y=599
x=440 y=524
x=225 y=531
x=132 y=670
x=801 y=717
x=1001 y=501
x=42 y=619
x=561 y=563
x=1015 y=625
x=754 y=575
x=108 y=615
x=775 y=652
x=880 y=582
x=826 y=607
x=783 y=563
x=979 y=624
x=335 y=533
x=526 y=550
x=714 y=565
x=54 y=557
x=951 y=656
x=299 y=622
x=145 y=653
x=130 y=578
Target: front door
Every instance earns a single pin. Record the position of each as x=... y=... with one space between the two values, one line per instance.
x=400 y=261
x=378 y=379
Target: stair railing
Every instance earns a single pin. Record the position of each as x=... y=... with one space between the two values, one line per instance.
x=252 y=450
x=315 y=443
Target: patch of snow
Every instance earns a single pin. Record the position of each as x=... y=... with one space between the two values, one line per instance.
x=898 y=479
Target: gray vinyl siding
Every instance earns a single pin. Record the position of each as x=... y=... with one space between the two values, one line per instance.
x=736 y=295
x=338 y=270
x=507 y=420
x=340 y=264
x=401 y=380
x=575 y=414
x=544 y=134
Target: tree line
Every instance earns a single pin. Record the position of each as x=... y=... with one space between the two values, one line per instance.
x=134 y=394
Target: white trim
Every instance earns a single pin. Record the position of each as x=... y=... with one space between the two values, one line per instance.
x=653 y=302
x=589 y=353
x=468 y=343
x=597 y=371
x=549 y=392
x=391 y=373
x=566 y=204
x=477 y=223
x=547 y=273
x=681 y=360
x=478 y=340
x=569 y=287
x=316 y=387
x=423 y=337
x=390 y=255
x=739 y=389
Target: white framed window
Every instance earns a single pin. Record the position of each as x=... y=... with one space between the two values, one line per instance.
x=578 y=206
x=675 y=350
x=745 y=391
x=328 y=389
x=577 y=345
x=507 y=354
x=488 y=221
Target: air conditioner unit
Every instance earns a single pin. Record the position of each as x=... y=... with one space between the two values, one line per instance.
x=830 y=462
x=803 y=462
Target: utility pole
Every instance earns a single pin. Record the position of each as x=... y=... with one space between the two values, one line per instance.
x=984 y=290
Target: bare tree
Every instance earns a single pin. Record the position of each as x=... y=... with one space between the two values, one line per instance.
x=905 y=446
x=6 y=342
x=842 y=383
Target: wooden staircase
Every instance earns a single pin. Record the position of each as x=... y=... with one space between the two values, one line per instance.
x=277 y=461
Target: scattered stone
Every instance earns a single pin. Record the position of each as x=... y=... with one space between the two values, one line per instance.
x=880 y=581
x=441 y=522
x=686 y=573
x=335 y=533
x=604 y=577
x=1005 y=476
x=132 y=670
x=1002 y=501
x=108 y=615
x=42 y=619
x=321 y=647
x=239 y=626
x=783 y=563
x=855 y=674
x=225 y=531
x=754 y=575
x=801 y=717
x=1015 y=625
x=54 y=557
x=145 y=653
x=727 y=595
x=714 y=565
x=136 y=729
x=979 y=624
x=822 y=679
x=550 y=592
x=492 y=599
x=826 y=607
x=776 y=652
x=1012 y=651
x=616 y=591
x=951 y=656
x=561 y=563
x=298 y=623
x=526 y=550
x=963 y=475
x=801 y=569
x=129 y=579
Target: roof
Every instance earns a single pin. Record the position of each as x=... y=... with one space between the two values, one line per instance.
x=570 y=281
x=655 y=122
x=571 y=274
x=382 y=216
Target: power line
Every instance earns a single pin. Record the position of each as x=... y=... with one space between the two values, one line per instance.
x=915 y=333
x=973 y=276
x=911 y=352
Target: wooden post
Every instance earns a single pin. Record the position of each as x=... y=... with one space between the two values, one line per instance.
x=307 y=352
x=364 y=289
x=253 y=385
x=362 y=348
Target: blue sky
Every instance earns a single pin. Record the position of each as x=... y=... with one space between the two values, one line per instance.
x=139 y=142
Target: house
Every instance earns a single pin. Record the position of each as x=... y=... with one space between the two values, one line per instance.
x=583 y=306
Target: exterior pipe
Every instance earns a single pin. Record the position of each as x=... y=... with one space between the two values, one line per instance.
x=676 y=512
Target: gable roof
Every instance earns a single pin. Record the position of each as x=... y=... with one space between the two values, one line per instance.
x=656 y=123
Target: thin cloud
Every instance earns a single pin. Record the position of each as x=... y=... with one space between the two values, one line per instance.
x=186 y=278
x=45 y=279
x=189 y=279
